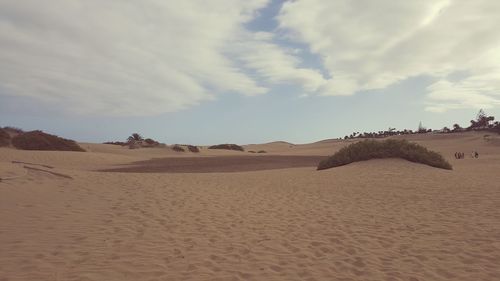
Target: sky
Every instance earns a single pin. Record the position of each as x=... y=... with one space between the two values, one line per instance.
x=245 y=71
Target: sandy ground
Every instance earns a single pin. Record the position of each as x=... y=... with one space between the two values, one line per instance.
x=374 y=220
x=219 y=164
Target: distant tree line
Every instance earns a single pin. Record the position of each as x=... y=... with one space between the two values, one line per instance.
x=482 y=122
x=136 y=141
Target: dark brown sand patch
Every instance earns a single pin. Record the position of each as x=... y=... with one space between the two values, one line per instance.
x=222 y=164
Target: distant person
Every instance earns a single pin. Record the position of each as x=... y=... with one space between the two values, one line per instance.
x=456 y=155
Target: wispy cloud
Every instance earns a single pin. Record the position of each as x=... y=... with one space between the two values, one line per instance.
x=150 y=57
x=276 y=64
x=370 y=45
x=123 y=57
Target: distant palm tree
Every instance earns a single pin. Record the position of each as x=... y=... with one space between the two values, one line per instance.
x=135 y=137
x=456 y=127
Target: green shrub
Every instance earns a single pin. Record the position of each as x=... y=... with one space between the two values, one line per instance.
x=4 y=138
x=261 y=151
x=38 y=140
x=371 y=149
x=227 y=146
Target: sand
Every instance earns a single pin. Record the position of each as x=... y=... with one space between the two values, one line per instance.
x=374 y=220
x=225 y=164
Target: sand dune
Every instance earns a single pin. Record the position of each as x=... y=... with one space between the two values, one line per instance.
x=374 y=220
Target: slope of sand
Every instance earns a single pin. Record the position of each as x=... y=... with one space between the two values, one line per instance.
x=374 y=220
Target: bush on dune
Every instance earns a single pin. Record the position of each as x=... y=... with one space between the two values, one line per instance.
x=178 y=148
x=135 y=141
x=13 y=131
x=150 y=143
x=193 y=148
x=371 y=149
x=38 y=140
x=227 y=146
x=4 y=138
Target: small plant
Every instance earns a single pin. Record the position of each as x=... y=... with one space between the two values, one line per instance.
x=227 y=146
x=193 y=148
x=261 y=151
x=178 y=148
x=251 y=151
x=372 y=149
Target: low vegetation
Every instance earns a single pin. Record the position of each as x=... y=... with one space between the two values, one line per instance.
x=178 y=148
x=372 y=149
x=137 y=141
x=13 y=131
x=4 y=138
x=121 y=143
x=227 y=146
x=482 y=122
x=38 y=140
x=150 y=143
x=260 y=151
x=193 y=148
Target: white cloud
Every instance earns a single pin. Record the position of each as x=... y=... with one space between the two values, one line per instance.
x=155 y=56
x=276 y=64
x=122 y=57
x=370 y=45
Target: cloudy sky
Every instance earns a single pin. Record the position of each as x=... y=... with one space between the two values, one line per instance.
x=245 y=71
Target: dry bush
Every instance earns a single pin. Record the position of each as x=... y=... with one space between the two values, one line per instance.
x=4 y=138
x=13 y=130
x=178 y=148
x=193 y=148
x=151 y=142
x=371 y=149
x=38 y=140
x=227 y=146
